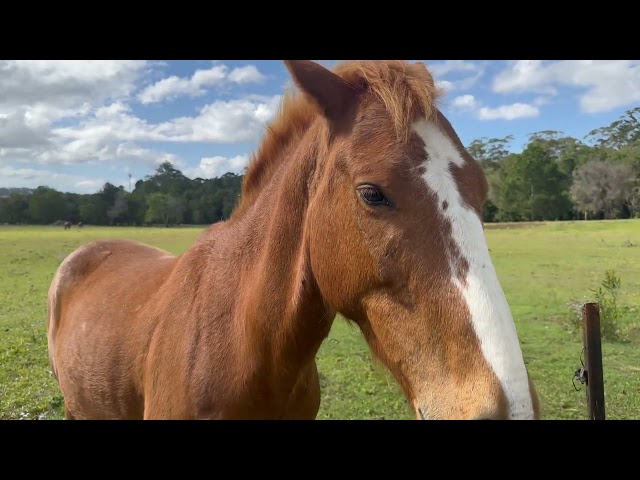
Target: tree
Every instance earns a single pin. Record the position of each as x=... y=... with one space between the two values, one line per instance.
x=136 y=209
x=109 y=193
x=532 y=187
x=47 y=205
x=119 y=206
x=488 y=152
x=164 y=208
x=157 y=208
x=620 y=133
x=14 y=209
x=92 y=210
x=629 y=154
x=176 y=207
x=602 y=188
x=166 y=179
x=633 y=199
x=578 y=154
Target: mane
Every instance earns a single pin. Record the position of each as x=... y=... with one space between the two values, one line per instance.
x=406 y=90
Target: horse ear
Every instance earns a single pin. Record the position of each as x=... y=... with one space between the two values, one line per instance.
x=335 y=97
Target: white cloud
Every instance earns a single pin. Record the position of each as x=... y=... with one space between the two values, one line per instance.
x=20 y=128
x=445 y=85
x=69 y=112
x=33 y=178
x=100 y=150
x=173 y=87
x=55 y=89
x=468 y=82
x=449 y=66
x=33 y=81
x=466 y=73
x=508 y=112
x=36 y=93
x=606 y=84
x=513 y=111
x=247 y=74
x=231 y=121
x=109 y=135
x=466 y=102
x=521 y=76
x=212 y=167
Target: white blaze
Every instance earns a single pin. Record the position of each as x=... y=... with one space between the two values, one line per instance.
x=490 y=313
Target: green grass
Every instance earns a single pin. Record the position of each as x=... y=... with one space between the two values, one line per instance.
x=543 y=269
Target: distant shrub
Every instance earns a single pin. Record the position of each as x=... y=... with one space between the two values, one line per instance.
x=606 y=296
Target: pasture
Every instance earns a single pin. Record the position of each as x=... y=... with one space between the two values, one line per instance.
x=543 y=269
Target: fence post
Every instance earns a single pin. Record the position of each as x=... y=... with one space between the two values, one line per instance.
x=593 y=361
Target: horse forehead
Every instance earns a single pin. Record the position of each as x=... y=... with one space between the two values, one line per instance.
x=448 y=166
x=438 y=144
x=432 y=148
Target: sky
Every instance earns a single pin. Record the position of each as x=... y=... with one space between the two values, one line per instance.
x=74 y=125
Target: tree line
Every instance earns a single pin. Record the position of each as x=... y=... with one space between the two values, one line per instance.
x=167 y=197
x=558 y=177
x=555 y=177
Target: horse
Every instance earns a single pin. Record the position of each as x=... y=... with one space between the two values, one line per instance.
x=67 y=225
x=360 y=202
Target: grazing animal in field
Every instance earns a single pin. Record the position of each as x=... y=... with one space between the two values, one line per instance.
x=360 y=200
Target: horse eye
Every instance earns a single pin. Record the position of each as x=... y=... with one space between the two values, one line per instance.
x=372 y=195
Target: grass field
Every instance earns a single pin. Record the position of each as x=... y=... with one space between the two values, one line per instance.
x=543 y=269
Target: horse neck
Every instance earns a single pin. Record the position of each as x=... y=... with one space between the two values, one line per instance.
x=281 y=318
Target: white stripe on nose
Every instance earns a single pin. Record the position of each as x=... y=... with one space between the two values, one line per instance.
x=487 y=304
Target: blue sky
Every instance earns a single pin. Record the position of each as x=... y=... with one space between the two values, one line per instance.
x=74 y=125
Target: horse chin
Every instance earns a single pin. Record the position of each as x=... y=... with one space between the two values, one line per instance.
x=419 y=411
x=421 y=415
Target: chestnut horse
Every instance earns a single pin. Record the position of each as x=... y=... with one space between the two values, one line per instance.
x=360 y=200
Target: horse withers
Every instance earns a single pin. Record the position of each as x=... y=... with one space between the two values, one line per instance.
x=360 y=200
